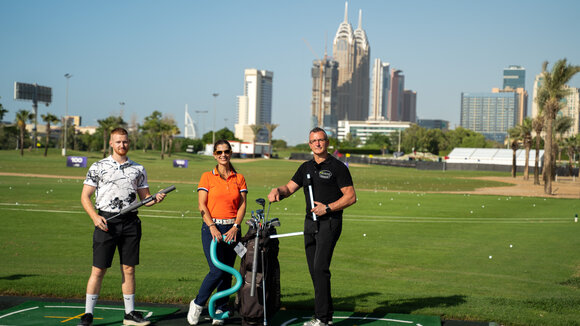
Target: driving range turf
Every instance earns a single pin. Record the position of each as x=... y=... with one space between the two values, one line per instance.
x=405 y=248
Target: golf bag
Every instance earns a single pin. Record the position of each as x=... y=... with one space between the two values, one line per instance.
x=251 y=308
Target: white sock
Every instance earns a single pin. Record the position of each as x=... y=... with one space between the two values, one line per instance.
x=129 y=302
x=90 y=303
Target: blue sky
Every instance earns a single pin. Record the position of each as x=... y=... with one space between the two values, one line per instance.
x=162 y=55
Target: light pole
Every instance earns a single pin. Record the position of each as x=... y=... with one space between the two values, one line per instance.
x=122 y=106
x=215 y=95
x=67 y=76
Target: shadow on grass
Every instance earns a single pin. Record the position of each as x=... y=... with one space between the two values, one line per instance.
x=404 y=306
x=15 y=277
x=407 y=306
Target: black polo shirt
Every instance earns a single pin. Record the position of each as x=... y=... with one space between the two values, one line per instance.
x=328 y=178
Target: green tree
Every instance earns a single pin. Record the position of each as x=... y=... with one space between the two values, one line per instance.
x=22 y=117
x=552 y=91
x=167 y=130
x=223 y=133
x=255 y=130
x=49 y=118
x=562 y=125
x=381 y=141
x=270 y=127
x=523 y=133
x=572 y=144
x=279 y=144
x=514 y=137
x=106 y=126
x=151 y=130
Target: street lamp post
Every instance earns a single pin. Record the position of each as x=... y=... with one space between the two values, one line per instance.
x=122 y=104
x=67 y=76
x=215 y=95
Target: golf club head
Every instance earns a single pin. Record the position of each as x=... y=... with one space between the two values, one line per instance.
x=251 y=223
x=275 y=222
x=261 y=202
x=253 y=214
x=260 y=213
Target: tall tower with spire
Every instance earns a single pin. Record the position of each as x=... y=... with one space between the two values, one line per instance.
x=351 y=50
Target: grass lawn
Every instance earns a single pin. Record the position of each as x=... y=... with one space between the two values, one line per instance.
x=404 y=249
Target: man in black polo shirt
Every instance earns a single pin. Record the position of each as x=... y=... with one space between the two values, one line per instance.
x=333 y=191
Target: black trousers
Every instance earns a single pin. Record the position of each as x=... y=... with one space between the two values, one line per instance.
x=319 y=241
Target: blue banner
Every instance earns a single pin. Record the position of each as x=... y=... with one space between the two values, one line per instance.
x=180 y=163
x=76 y=161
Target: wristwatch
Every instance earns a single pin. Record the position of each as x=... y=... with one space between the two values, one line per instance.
x=328 y=210
x=237 y=226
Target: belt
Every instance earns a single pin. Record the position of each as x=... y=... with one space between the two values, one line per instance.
x=224 y=221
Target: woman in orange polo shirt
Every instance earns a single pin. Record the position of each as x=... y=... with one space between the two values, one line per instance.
x=222 y=203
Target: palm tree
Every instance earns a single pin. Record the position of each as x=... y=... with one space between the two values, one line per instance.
x=270 y=127
x=22 y=116
x=255 y=130
x=524 y=133
x=572 y=146
x=551 y=92
x=538 y=126
x=561 y=126
x=514 y=134
x=48 y=118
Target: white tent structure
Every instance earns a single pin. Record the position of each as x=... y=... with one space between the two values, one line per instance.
x=495 y=156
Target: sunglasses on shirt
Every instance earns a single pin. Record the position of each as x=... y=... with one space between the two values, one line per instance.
x=227 y=152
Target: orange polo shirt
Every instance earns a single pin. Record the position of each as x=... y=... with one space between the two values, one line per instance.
x=223 y=196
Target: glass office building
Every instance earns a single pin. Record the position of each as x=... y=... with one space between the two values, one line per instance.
x=490 y=114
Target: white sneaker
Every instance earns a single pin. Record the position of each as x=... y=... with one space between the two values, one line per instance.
x=218 y=321
x=314 y=322
x=194 y=313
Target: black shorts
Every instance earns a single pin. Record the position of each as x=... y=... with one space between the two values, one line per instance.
x=126 y=235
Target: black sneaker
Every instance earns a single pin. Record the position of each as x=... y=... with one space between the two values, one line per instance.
x=86 y=320
x=135 y=318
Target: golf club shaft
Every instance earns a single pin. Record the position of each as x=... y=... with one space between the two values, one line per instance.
x=255 y=263
x=264 y=287
x=141 y=203
x=283 y=235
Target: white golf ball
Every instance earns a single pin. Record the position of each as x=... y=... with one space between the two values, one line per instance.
x=364 y=234
x=511 y=246
x=489 y=257
x=471 y=212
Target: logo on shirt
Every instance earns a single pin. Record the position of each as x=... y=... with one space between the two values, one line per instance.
x=325 y=174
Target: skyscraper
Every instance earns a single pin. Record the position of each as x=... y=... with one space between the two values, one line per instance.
x=381 y=87
x=351 y=50
x=514 y=77
x=324 y=94
x=255 y=106
x=396 y=96
x=490 y=114
x=409 y=106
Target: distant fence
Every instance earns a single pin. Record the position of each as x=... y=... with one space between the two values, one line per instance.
x=429 y=165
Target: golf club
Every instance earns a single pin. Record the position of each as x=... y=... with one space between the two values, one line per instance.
x=141 y=203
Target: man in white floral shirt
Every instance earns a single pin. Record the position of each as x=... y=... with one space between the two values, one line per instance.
x=117 y=182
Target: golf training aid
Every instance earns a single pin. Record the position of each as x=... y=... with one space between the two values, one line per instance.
x=311 y=195
x=141 y=203
x=225 y=293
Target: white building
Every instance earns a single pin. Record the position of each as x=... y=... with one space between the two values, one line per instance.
x=363 y=129
x=255 y=106
x=381 y=88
